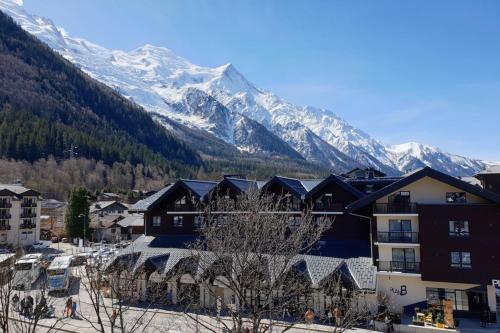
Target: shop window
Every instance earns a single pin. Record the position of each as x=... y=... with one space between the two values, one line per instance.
x=156 y=221
x=456 y=197
x=459 y=228
x=178 y=221
x=461 y=260
x=459 y=298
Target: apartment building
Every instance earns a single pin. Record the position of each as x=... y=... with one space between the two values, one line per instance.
x=434 y=237
x=19 y=216
x=418 y=238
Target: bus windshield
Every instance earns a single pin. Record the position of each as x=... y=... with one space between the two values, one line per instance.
x=54 y=272
x=25 y=266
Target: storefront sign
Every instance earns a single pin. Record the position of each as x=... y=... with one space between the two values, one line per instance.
x=496 y=284
x=401 y=291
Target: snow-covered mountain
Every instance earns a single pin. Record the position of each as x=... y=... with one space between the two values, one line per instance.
x=223 y=102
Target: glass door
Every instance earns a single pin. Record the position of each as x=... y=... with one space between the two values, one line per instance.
x=400 y=230
x=403 y=259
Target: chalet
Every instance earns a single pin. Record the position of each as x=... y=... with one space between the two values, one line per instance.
x=421 y=237
x=103 y=208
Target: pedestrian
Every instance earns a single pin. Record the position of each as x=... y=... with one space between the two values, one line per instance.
x=113 y=317
x=337 y=314
x=389 y=325
x=309 y=316
x=73 y=309
x=329 y=315
x=69 y=304
x=15 y=302
x=485 y=314
x=23 y=307
x=29 y=305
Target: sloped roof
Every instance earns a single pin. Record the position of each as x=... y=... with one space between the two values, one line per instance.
x=52 y=204
x=419 y=174
x=100 y=205
x=199 y=187
x=104 y=222
x=297 y=187
x=132 y=221
x=144 y=204
x=18 y=190
x=360 y=269
x=339 y=182
x=242 y=185
x=490 y=169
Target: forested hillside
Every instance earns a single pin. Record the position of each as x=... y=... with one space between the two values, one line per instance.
x=50 y=107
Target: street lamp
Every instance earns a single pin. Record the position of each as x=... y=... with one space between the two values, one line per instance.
x=83 y=216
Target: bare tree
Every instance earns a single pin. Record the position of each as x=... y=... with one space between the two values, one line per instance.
x=249 y=255
x=113 y=292
x=16 y=318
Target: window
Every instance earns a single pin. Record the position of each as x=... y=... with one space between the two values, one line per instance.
x=324 y=202
x=179 y=203
x=459 y=228
x=323 y=222
x=455 y=197
x=460 y=259
x=178 y=221
x=400 y=230
x=294 y=221
x=400 y=197
x=403 y=255
x=198 y=221
x=459 y=298
x=156 y=221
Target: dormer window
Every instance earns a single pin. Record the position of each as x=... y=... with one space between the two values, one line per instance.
x=181 y=202
x=456 y=197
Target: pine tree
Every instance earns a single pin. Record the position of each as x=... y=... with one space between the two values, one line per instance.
x=78 y=205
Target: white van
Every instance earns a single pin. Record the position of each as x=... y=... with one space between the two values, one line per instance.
x=59 y=273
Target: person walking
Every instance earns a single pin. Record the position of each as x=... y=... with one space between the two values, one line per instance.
x=113 y=317
x=15 y=302
x=485 y=314
x=69 y=304
x=337 y=314
x=73 y=309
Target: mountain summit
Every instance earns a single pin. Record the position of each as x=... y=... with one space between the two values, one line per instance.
x=224 y=103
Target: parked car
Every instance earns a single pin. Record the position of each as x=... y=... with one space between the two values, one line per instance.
x=65 y=240
x=55 y=239
x=40 y=245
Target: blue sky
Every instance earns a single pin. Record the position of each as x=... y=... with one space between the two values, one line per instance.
x=425 y=71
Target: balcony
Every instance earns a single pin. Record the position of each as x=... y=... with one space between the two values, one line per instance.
x=28 y=203
x=28 y=215
x=25 y=225
x=4 y=227
x=332 y=207
x=397 y=237
x=5 y=204
x=399 y=266
x=395 y=208
x=5 y=216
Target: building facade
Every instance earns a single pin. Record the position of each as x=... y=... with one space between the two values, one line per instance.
x=19 y=216
x=418 y=238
